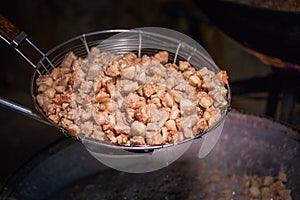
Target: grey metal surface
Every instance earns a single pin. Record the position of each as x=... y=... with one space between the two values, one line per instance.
x=248 y=145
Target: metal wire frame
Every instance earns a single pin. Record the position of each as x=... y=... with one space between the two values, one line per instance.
x=140 y=41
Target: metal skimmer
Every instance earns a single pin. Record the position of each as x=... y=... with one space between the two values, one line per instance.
x=140 y=41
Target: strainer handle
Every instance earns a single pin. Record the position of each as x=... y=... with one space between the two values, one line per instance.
x=23 y=110
x=13 y=36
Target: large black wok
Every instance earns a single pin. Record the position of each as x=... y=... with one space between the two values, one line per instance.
x=271 y=32
x=249 y=145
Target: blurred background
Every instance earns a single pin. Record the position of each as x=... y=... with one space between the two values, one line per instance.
x=49 y=23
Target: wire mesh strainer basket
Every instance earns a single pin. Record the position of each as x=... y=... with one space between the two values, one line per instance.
x=140 y=41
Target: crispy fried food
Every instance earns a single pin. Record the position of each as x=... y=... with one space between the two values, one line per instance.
x=132 y=101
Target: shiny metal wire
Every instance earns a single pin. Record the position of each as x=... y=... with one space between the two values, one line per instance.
x=132 y=40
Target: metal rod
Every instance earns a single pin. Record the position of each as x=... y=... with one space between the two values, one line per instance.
x=23 y=110
x=83 y=39
x=35 y=47
x=176 y=54
x=40 y=52
x=140 y=44
x=23 y=56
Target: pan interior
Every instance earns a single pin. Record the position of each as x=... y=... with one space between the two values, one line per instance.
x=249 y=145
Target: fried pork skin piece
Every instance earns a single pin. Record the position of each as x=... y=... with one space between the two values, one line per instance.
x=55 y=93
x=266 y=187
x=132 y=101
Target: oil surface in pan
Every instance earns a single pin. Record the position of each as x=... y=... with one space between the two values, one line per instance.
x=249 y=145
x=250 y=152
x=195 y=181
